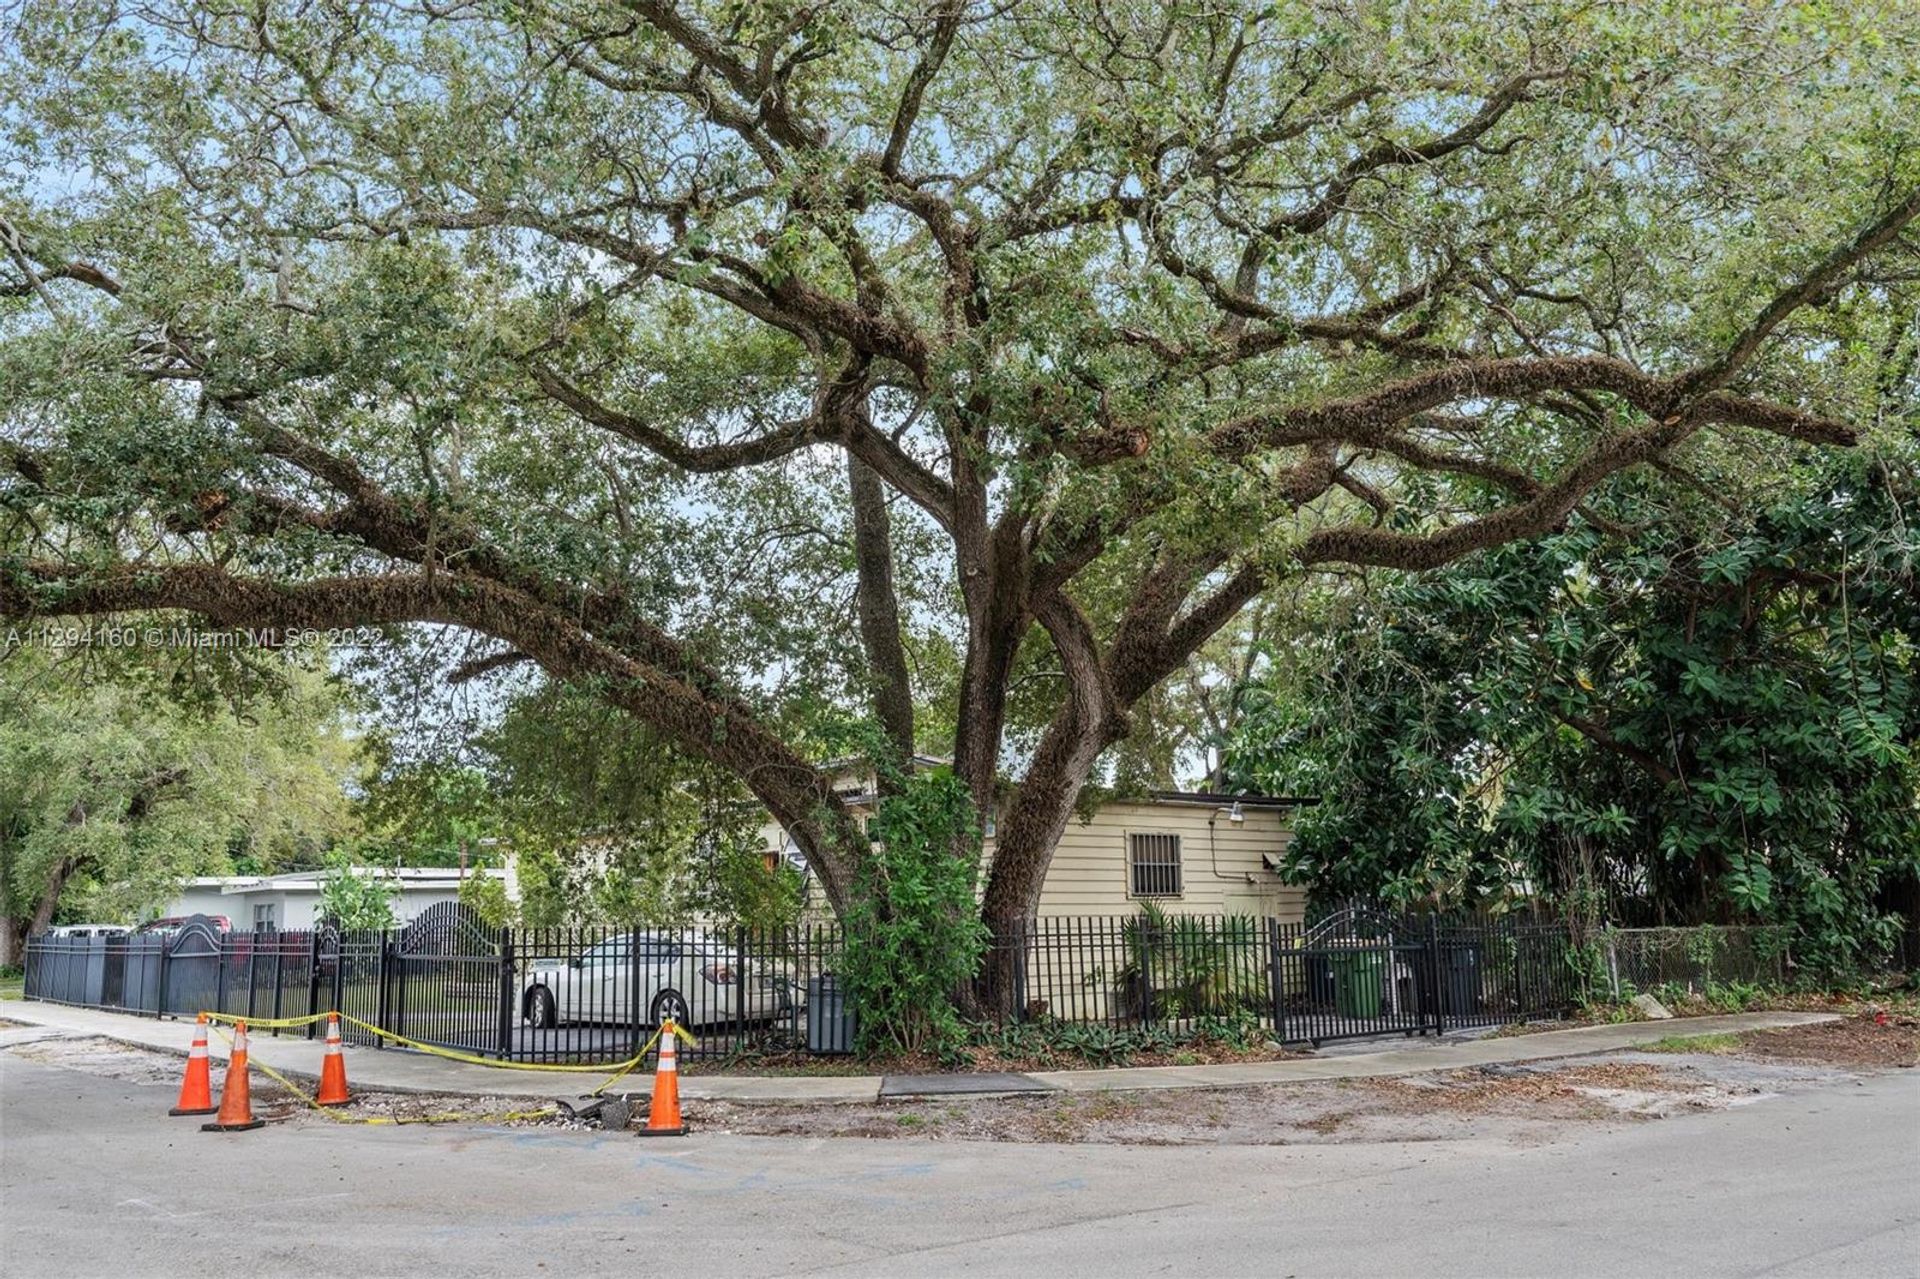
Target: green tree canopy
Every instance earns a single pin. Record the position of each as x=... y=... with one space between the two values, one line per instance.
x=115 y=784
x=1665 y=717
x=605 y=821
x=714 y=356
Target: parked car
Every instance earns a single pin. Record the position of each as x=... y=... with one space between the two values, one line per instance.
x=693 y=978
x=88 y=930
x=173 y=923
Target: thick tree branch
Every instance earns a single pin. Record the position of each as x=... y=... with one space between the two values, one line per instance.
x=714 y=729
x=788 y=439
x=1812 y=285
x=946 y=22
x=879 y=607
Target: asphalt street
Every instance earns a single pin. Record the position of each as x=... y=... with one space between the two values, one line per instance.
x=96 y=1180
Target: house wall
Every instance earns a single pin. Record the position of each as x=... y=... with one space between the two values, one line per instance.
x=296 y=907
x=291 y=911
x=410 y=903
x=207 y=900
x=1221 y=864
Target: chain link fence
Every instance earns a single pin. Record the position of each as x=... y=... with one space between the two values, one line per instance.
x=1695 y=957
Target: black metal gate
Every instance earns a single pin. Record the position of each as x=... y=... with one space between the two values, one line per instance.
x=441 y=982
x=1358 y=972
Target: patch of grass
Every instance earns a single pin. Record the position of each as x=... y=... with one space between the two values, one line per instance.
x=1718 y=1044
x=13 y=987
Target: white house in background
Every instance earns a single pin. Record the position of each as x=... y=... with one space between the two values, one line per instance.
x=1190 y=852
x=292 y=901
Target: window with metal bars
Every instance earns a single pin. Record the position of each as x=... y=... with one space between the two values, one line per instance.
x=1153 y=865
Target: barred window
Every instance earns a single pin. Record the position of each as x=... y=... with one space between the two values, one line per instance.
x=1153 y=865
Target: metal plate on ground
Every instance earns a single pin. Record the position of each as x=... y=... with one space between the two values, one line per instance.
x=943 y=1085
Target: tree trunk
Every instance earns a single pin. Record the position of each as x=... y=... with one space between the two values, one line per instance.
x=1023 y=848
x=15 y=929
x=890 y=690
x=63 y=870
x=994 y=569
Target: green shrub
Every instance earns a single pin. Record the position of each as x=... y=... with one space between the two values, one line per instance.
x=1098 y=1044
x=1181 y=966
x=352 y=901
x=913 y=934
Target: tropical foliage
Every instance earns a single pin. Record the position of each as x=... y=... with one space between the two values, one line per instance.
x=355 y=897
x=913 y=936
x=1181 y=966
x=605 y=822
x=1659 y=715
x=117 y=781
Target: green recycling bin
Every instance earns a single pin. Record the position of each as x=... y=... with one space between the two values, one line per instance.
x=1358 y=983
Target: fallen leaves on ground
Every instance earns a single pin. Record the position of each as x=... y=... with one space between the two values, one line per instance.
x=1875 y=1038
x=1488 y=1088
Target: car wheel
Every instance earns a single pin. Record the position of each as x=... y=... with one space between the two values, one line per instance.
x=669 y=1003
x=540 y=1010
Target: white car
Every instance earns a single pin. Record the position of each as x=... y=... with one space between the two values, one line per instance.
x=693 y=978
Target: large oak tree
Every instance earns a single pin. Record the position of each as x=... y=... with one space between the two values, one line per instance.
x=613 y=330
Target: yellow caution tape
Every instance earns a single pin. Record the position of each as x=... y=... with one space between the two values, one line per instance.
x=438 y=1117
x=270 y=1023
x=619 y=1068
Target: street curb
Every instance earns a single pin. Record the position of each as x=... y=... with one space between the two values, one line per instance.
x=1425 y=1057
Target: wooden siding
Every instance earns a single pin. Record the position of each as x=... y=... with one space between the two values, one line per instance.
x=1222 y=869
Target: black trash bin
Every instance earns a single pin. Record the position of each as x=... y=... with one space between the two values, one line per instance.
x=829 y=1016
x=1460 y=978
x=1319 y=991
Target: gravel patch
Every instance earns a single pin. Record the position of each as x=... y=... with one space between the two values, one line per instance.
x=111 y=1059
x=1524 y=1103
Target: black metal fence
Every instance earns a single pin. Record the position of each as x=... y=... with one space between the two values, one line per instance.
x=1356 y=973
x=594 y=995
x=590 y=995
x=533 y=995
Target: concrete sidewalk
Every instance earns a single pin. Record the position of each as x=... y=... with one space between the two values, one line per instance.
x=397 y=1070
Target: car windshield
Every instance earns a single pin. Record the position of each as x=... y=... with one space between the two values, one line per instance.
x=612 y=951
x=655 y=948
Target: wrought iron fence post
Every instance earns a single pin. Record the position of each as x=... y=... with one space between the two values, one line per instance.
x=160 y=1000
x=279 y=963
x=505 y=1046
x=1147 y=941
x=1273 y=980
x=220 y=973
x=339 y=979
x=253 y=968
x=739 y=987
x=1435 y=981
x=383 y=1005
x=634 y=1039
x=313 y=976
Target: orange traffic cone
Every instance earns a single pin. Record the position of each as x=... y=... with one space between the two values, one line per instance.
x=333 y=1069
x=196 y=1090
x=236 y=1098
x=663 y=1116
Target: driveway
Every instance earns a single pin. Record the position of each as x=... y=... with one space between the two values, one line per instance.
x=92 y=1173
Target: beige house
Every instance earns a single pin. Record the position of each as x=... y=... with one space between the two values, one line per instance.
x=1190 y=852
